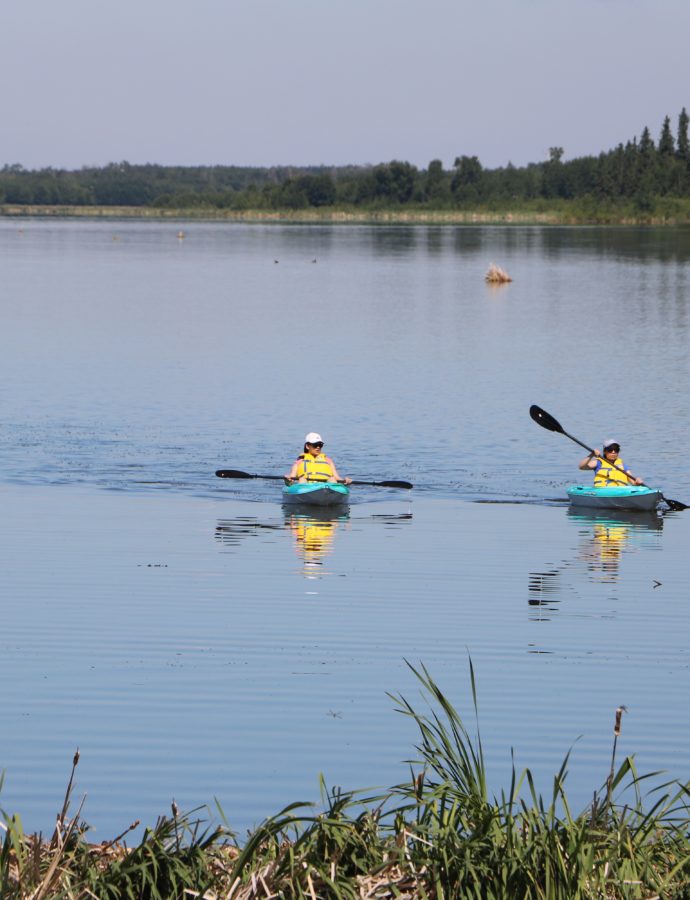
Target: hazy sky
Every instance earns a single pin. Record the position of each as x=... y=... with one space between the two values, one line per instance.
x=265 y=82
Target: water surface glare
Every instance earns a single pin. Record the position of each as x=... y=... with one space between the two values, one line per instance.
x=197 y=641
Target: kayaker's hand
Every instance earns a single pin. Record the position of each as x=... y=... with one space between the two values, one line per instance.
x=287 y=480
x=638 y=481
x=346 y=481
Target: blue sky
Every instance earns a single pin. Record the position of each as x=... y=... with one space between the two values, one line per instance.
x=280 y=82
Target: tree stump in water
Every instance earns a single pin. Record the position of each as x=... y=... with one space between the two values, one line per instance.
x=496 y=275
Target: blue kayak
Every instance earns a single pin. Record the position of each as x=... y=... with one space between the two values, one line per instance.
x=317 y=493
x=622 y=497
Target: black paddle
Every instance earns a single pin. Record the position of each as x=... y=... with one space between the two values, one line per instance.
x=234 y=473
x=541 y=417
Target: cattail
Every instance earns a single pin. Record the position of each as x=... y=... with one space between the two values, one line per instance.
x=419 y=785
x=619 y=714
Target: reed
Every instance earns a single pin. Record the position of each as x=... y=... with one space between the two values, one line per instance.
x=664 y=211
x=440 y=834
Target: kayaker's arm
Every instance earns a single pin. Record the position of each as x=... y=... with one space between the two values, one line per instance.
x=337 y=477
x=633 y=478
x=292 y=474
x=590 y=461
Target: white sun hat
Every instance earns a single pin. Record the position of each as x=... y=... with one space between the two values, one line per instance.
x=313 y=438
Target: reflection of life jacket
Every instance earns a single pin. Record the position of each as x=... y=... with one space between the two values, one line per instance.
x=610 y=538
x=313 y=538
x=314 y=468
x=607 y=473
x=609 y=541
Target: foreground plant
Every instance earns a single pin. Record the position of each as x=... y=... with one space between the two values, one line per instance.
x=439 y=835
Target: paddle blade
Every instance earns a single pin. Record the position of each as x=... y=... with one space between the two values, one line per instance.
x=541 y=417
x=233 y=473
x=675 y=505
x=405 y=485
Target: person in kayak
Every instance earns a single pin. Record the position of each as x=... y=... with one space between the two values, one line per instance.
x=313 y=465
x=609 y=468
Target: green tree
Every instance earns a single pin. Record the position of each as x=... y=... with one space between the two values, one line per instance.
x=554 y=174
x=319 y=189
x=467 y=180
x=646 y=176
x=666 y=145
x=682 y=149
x=437 y=184
x=646 y=145
x=394 y=181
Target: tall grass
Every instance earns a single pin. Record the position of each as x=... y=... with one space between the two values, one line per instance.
x=657 y=211
x=440 y=834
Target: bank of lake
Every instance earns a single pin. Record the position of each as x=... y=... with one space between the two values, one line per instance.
x=655 y=212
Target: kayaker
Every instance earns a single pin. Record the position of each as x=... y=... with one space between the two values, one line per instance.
x=609 y=468
x=313 y=465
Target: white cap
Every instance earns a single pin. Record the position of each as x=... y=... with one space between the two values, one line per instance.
x=313 y=438
x=609 y=442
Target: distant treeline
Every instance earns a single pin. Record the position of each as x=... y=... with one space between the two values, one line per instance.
x=638 y=172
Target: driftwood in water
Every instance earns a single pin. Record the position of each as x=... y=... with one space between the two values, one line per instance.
x=496 y=275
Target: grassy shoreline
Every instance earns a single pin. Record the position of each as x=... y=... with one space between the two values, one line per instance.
x=439 y=835
x=668 y=214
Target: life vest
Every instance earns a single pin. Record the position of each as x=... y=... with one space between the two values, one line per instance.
x=314 y=468
x=607 y=474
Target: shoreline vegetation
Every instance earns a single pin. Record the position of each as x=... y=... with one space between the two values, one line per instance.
x=642 y=182
x=439 y=835
x=665 y=214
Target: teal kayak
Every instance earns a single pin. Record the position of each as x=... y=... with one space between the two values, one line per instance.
x=623 y=497
x=317 y=493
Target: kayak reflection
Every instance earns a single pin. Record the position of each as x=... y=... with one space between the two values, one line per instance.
x=314 y=532
x=606 y=534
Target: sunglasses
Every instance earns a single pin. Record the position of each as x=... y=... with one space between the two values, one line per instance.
x=318 y=445
x=614 y=449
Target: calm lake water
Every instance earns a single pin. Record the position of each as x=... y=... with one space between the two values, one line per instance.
x=196 y=641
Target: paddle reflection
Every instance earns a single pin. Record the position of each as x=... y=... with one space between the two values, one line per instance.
x=606 y=534
x=234 y=531
x=544 y=588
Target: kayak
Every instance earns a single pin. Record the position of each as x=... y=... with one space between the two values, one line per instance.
x=317 y=493
x=624 y=497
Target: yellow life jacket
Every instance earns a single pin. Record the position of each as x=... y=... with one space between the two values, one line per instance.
x=314 y=468
x=610 y=474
